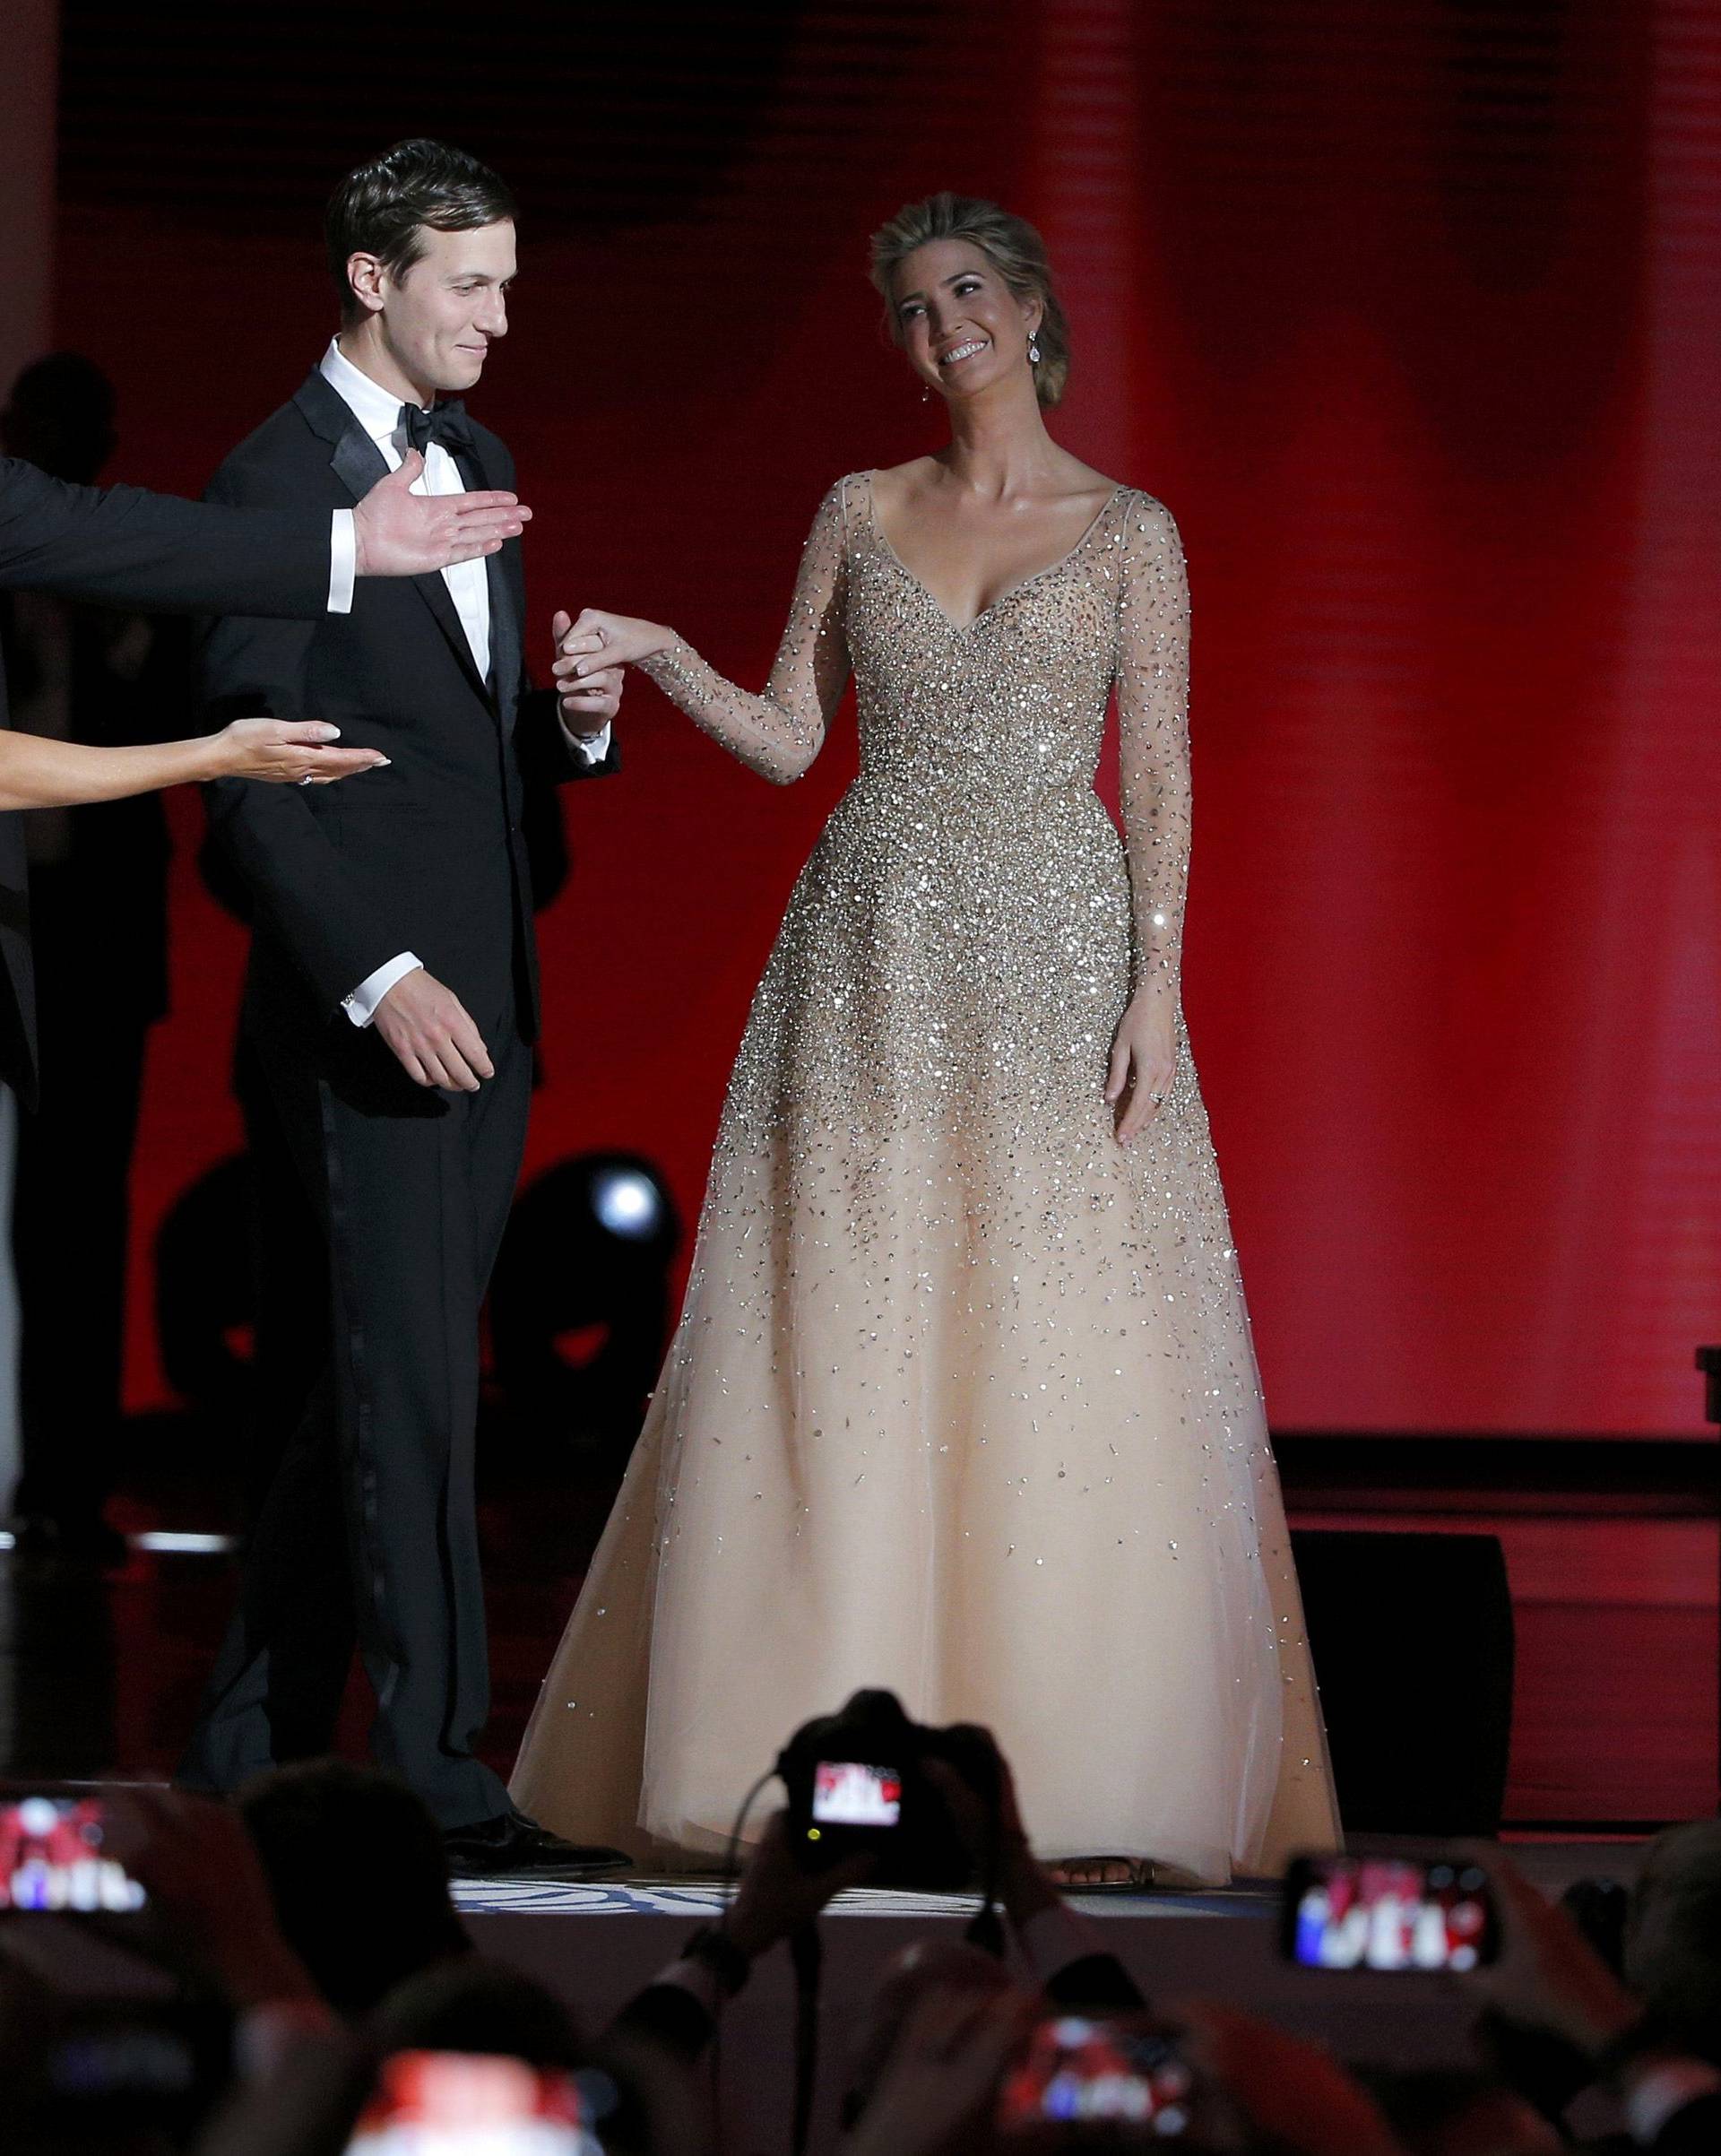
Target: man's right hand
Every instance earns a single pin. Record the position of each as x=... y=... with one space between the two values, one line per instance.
x=400 y=533
x=427 y=1026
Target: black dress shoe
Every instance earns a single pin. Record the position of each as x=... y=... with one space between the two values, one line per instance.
x=514 y=1846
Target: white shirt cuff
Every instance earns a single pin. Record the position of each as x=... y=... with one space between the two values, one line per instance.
x=1055 y=1938
x=593 y=747
x=343 y=562
x=360 y=1006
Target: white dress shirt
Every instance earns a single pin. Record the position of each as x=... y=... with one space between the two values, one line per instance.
x=378 y=412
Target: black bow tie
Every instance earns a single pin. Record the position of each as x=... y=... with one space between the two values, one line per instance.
x=445 y=422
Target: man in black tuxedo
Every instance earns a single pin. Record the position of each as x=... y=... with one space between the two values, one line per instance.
x=391 y=1003
x=123 y=547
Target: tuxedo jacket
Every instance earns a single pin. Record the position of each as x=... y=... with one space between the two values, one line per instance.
x=428 y=855
x=127 y=548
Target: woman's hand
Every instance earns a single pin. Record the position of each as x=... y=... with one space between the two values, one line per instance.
x=1144 y=1058
x=598 y=640
x=288 y=752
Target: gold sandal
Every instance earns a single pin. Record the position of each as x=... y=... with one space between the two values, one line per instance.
x=1118 y=1874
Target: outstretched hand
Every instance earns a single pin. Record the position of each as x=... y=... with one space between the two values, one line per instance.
x=598 y=641
x=400 y=533
x=288 y=752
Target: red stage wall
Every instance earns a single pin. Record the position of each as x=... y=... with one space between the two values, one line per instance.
x=1409 y=310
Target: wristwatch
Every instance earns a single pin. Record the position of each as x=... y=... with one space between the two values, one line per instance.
x=713 y=1948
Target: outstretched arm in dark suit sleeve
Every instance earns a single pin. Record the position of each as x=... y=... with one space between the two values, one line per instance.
x=129 y=548
x=299 y=887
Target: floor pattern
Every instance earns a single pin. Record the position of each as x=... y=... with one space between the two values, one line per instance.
x=701 y=1898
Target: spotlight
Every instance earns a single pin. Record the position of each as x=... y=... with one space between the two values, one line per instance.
x=629 y=1204
x=579 y=1308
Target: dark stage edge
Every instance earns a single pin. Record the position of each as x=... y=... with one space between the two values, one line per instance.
x=595 y=1945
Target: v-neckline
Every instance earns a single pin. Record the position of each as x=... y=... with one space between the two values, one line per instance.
x=961 y=628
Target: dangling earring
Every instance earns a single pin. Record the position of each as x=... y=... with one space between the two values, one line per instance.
x=926 y=393
x=1034 y=348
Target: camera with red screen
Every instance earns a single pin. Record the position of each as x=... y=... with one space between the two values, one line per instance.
x=856 y=1783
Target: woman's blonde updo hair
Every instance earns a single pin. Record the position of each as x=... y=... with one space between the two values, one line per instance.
x=1011 y=244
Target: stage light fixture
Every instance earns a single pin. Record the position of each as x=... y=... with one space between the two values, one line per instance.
x=579 y=1306
x=629 y=1204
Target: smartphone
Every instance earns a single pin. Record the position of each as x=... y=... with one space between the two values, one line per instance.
x=451 y=2103
x=848 y=1793
x=1388 y=1913
x=1078 y=2071
x=52 y=1858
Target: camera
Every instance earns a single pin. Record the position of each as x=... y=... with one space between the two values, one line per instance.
x=856 y=1783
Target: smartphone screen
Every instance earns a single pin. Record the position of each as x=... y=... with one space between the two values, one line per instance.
x=847 y=1794
x=1080 y=2072
x=449 y=2103
x=51 y=1857
x=1388 y=1913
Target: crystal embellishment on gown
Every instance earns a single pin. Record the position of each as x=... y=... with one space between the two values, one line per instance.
x=963 y=1400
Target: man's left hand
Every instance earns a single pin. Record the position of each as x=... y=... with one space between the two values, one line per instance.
x=587 y=706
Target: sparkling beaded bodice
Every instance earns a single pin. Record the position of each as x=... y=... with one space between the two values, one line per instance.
x=1011 y=703
x=983 y=726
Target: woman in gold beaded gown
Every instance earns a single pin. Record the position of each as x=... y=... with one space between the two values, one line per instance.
x=962 y=1401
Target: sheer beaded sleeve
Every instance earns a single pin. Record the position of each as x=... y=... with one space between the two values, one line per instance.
x=1153 y=686
x=779 y=734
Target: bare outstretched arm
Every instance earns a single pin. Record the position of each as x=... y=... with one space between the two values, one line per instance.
x=37 y=773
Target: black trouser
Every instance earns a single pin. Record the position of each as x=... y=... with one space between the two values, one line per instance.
x=71 y=1215
x=369 y=1528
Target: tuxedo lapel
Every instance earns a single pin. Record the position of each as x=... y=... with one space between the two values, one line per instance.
x=506 y=627
x=505 y=638
x=358 y=463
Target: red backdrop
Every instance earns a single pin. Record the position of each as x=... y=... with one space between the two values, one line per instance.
x=1410 y=312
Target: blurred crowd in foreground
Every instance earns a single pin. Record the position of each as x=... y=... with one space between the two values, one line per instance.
x=313 y=1990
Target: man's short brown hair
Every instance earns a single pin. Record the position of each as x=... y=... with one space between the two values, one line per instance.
x=382 y=207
